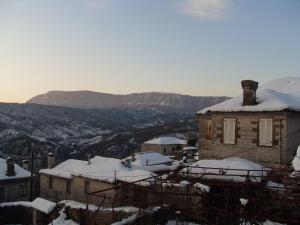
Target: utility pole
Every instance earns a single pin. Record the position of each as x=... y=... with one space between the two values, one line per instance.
x=31 y=171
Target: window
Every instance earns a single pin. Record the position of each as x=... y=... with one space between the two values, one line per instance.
x=208 y=129
x=50 y=184
x=1 y=192
x=68 y=186
x=165 y=150
x=86 y=186
x=266 y=132
x=229 y=130
x=22 y=190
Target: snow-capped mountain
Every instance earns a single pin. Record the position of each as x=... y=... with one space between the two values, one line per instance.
x=153 y=100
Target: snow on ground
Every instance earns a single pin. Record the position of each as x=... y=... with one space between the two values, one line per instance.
x=220 y=169
x=166 y=141
x=62 y=220
x=296 y=161
x=275 y=186
x=202 y=187
x=276 y=95
x=268 y=222
x=151 y=161
x=39 y=204
x=173 y=222
x=78 y=205
x=100 y=168
x=20 y=172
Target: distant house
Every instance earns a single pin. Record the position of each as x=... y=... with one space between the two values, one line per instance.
x=14 y=182
x=164 y=145
x=262 y=126
x=151 y=161
x=74 y=179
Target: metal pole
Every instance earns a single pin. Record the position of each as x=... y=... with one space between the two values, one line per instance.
x=31 y=170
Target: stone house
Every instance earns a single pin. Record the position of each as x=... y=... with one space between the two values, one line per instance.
x=14 y=182
x=74 y=179
x=164 y=145
x=260 y=125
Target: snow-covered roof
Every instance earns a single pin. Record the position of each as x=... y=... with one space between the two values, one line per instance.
x=39 y=204
x=43 y=205
x=100 y=168
x=234 y=169
x=20 y=172
x=166 y=141
x=152 y=161
x=276 y=95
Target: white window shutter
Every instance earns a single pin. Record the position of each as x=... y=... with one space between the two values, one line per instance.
x=229 y=131
x=266 y=132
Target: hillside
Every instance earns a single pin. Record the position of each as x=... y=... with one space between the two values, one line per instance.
x=166 y=102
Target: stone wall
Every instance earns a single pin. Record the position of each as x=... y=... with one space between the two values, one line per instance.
x=13 y=190
x=247 y=135
x=58 y=192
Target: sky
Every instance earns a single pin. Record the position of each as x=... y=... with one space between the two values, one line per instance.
x=194 y=47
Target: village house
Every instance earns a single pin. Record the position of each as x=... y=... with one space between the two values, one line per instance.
x=260 y=125
x=14 y=182
x=74 y=179
x=164 y=145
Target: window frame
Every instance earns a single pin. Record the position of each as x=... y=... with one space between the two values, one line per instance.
x=209 y=133
x=234 y=129
x=68 y=186
x=271 y=133
x=86 y=186
x=50 y=182
x=23 y=187
x=2 y=192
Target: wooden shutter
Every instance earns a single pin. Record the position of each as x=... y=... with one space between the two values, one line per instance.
x=266 y=132
x=229 y=131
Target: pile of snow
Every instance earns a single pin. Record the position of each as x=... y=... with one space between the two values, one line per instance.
x=233 y=169
x=202 y=187
x=173 y=222
x=244 y=201
x=268 y=222
x=62 y=220
x=151 y=161
x=20 y=172
x=99 y=168
x=276 y=95
x=39 y=204
x=169 y=184
x=275 y=186
x=296 y=161
x=166 y=141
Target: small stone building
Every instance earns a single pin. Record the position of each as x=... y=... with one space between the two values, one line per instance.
x=14 y=182
x=262 y=126
x=164 y=145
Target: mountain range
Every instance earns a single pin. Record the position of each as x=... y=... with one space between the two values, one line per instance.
x=167 y=102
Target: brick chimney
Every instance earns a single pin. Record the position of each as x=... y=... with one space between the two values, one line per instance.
x=10 y=167
x=51 y=160
x=249 y=92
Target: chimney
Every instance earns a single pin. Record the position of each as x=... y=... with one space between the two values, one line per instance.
x=10 y=167
x=249 y=92
x=51 y=160
x=25 y=164
x=89 y=158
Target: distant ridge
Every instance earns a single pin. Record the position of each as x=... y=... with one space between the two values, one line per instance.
x=169 y=102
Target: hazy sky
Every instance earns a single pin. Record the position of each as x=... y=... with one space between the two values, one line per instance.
x=196 y=47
